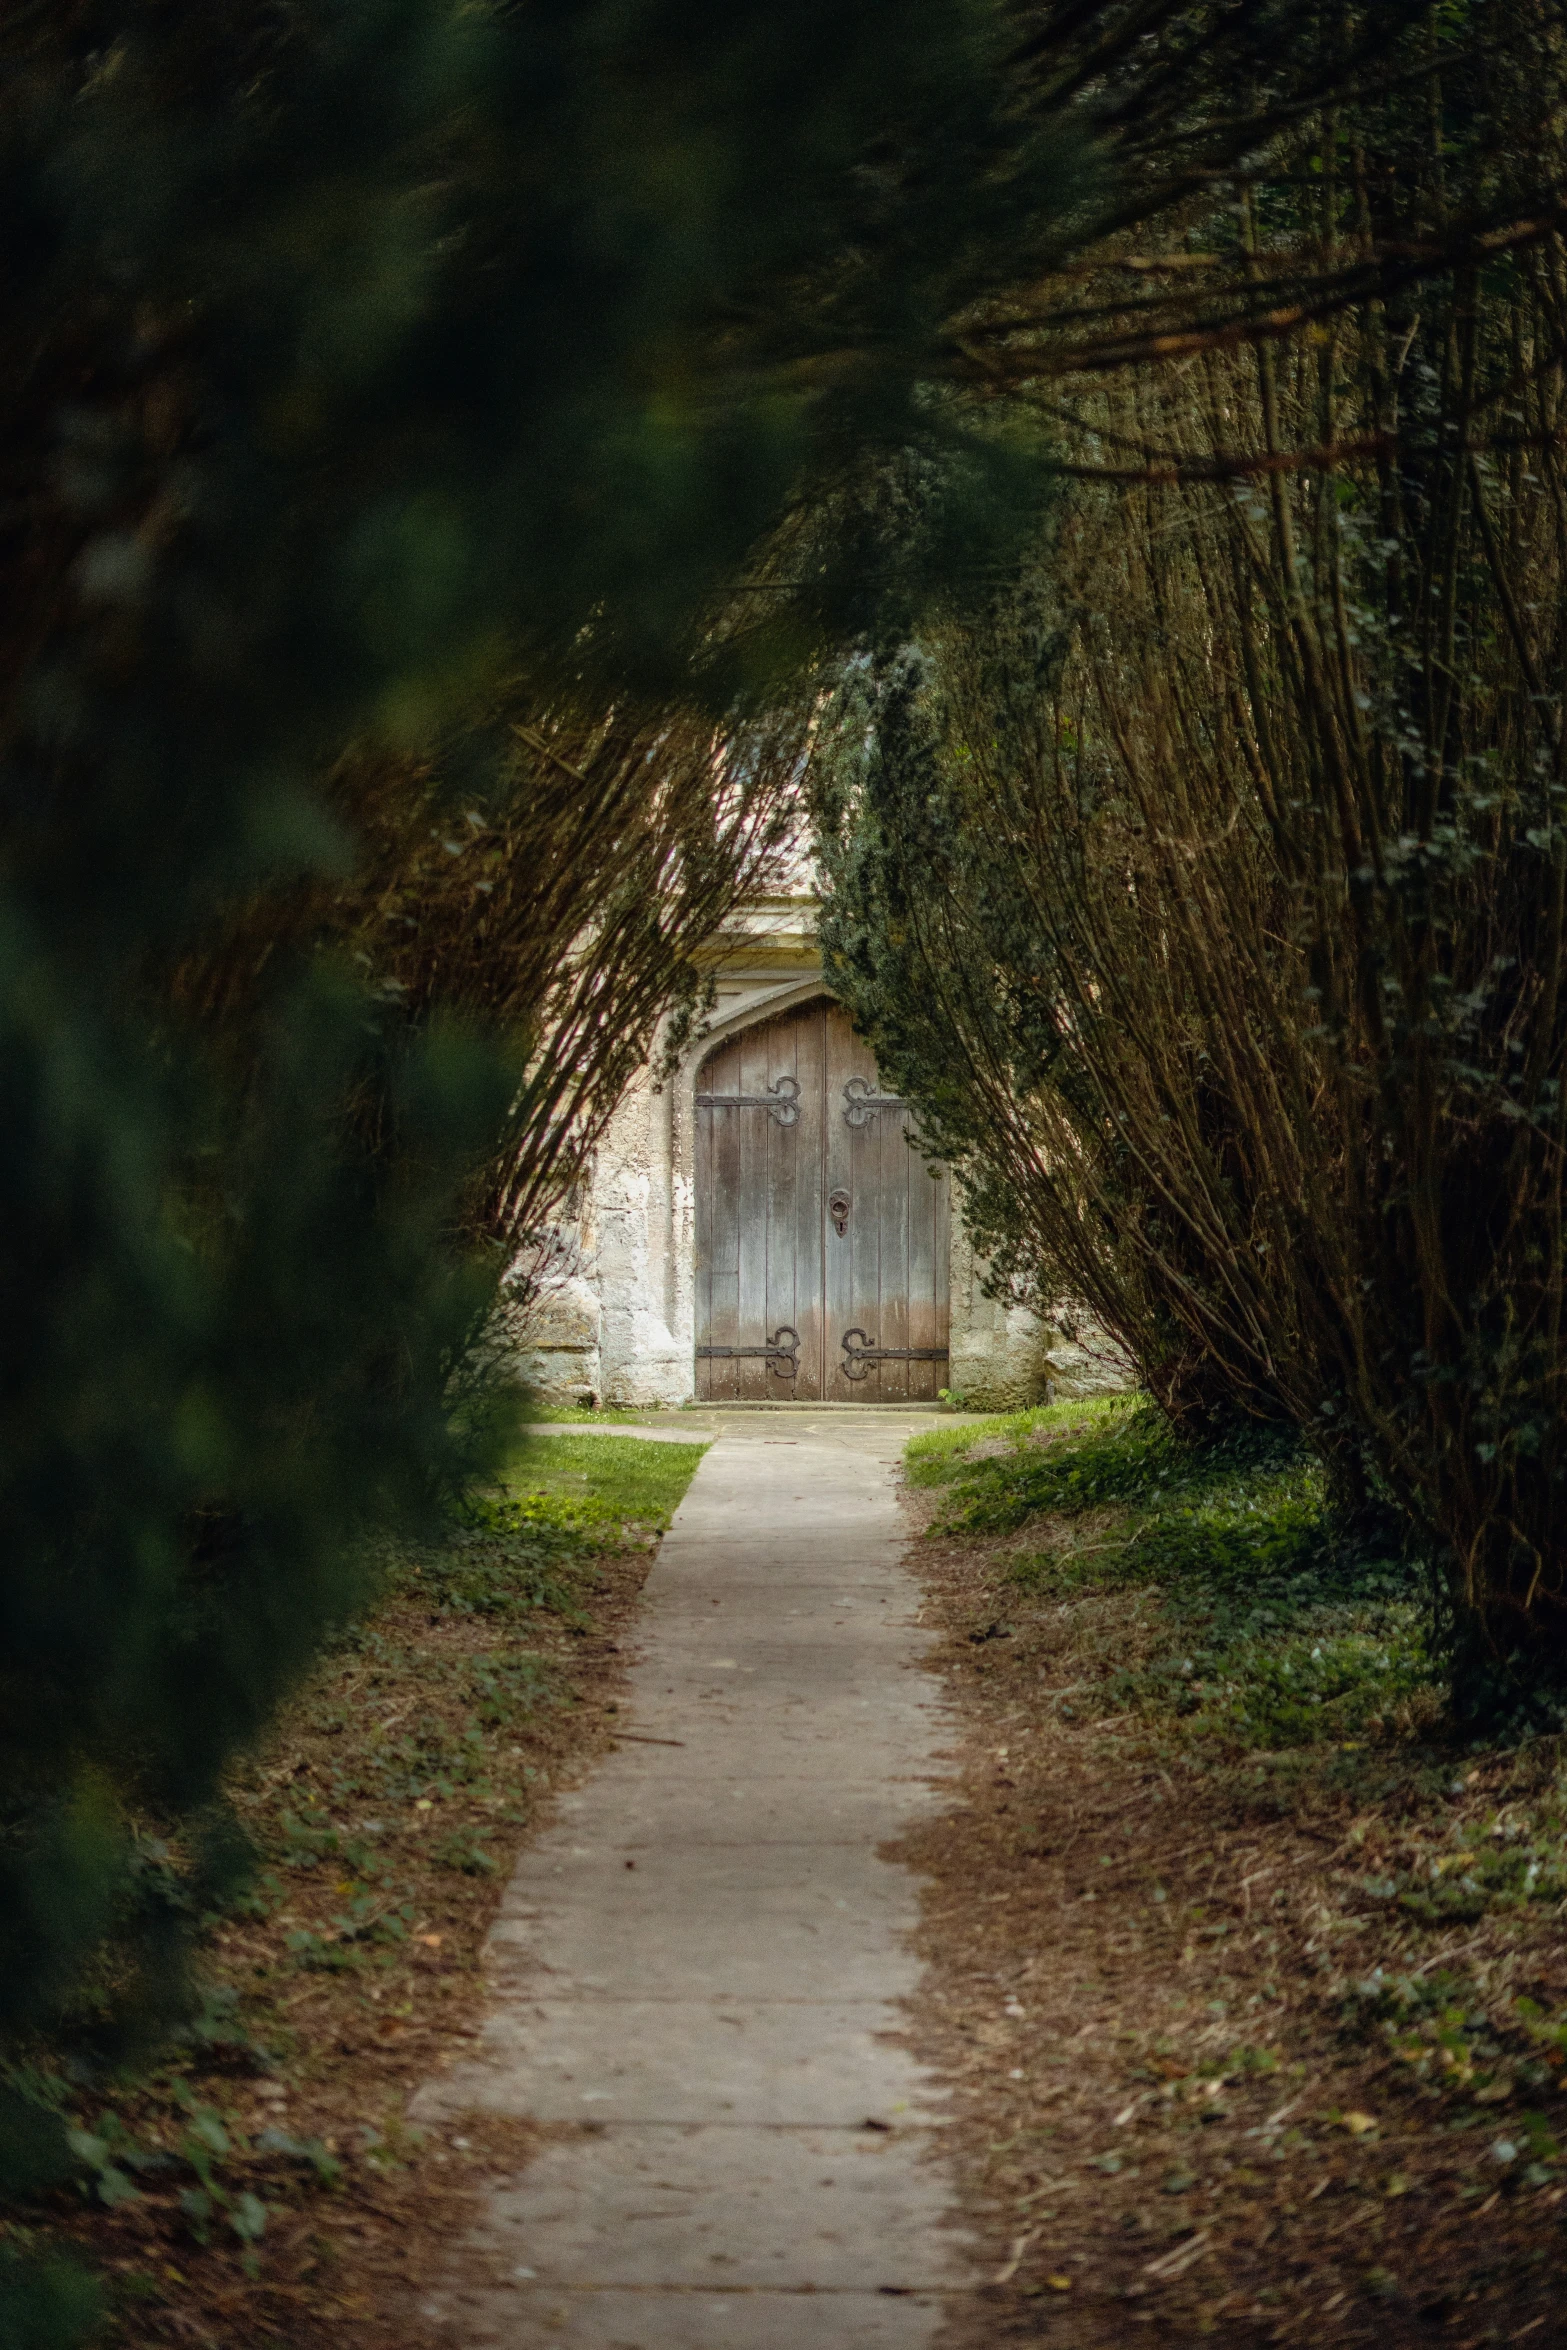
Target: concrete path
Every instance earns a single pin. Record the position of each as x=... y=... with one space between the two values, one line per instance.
x=697 y=1433
x=695 y=1972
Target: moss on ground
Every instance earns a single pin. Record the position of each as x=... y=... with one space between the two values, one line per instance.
x=1265 y=1628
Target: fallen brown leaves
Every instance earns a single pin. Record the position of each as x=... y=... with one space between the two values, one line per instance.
x=350 y=2264
x=1161 y=2126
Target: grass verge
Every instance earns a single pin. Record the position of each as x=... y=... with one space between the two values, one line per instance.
x=596 y=1481
x=1249 y=1983
x=262 y=2183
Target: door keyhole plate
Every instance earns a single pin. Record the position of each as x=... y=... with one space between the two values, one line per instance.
x=838 y=1209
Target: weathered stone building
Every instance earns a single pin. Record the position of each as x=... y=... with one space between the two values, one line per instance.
x=757 y=1228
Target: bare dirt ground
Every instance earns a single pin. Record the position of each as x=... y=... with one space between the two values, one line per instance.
x=1137 y=1962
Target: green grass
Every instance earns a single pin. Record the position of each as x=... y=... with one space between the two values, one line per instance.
x=532 y=1543
x=1269 y=1633
x=1066 y=1457
x=591 y=1481
x=939 y=1456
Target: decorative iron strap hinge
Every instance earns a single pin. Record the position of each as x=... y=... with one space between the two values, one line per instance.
x=781 y=1101
x=856 y=1357
x=862 y=1101
x=785 y=1360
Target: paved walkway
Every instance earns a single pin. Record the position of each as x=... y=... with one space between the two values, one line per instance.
x=699 y=1965
x=699 y=1432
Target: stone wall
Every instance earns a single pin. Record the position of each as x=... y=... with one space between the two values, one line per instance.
x=550 y=1317
x=1000 y=1353
x=1006 y=1358
x=643 y=1201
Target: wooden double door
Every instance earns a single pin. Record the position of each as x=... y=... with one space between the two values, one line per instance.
x=821 y=1235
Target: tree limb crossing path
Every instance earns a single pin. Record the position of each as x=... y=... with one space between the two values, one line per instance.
x=696 y=1972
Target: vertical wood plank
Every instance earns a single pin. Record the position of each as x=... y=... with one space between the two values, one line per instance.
x=776 y=1208
x=941 y=1296
x=927 y=1268
x=895 y=1161
x=868 y=1210
x=702 y=1241
x=780 y=1149
x=755 y=1127
x=839 y=1168
x=810 y=1196
x=721 y=1076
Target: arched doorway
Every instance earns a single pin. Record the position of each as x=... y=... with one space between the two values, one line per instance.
x=821 y=1236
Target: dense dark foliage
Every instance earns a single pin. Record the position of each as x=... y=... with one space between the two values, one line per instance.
x=1212 y=902
x=431 y=432
x=379 y=377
